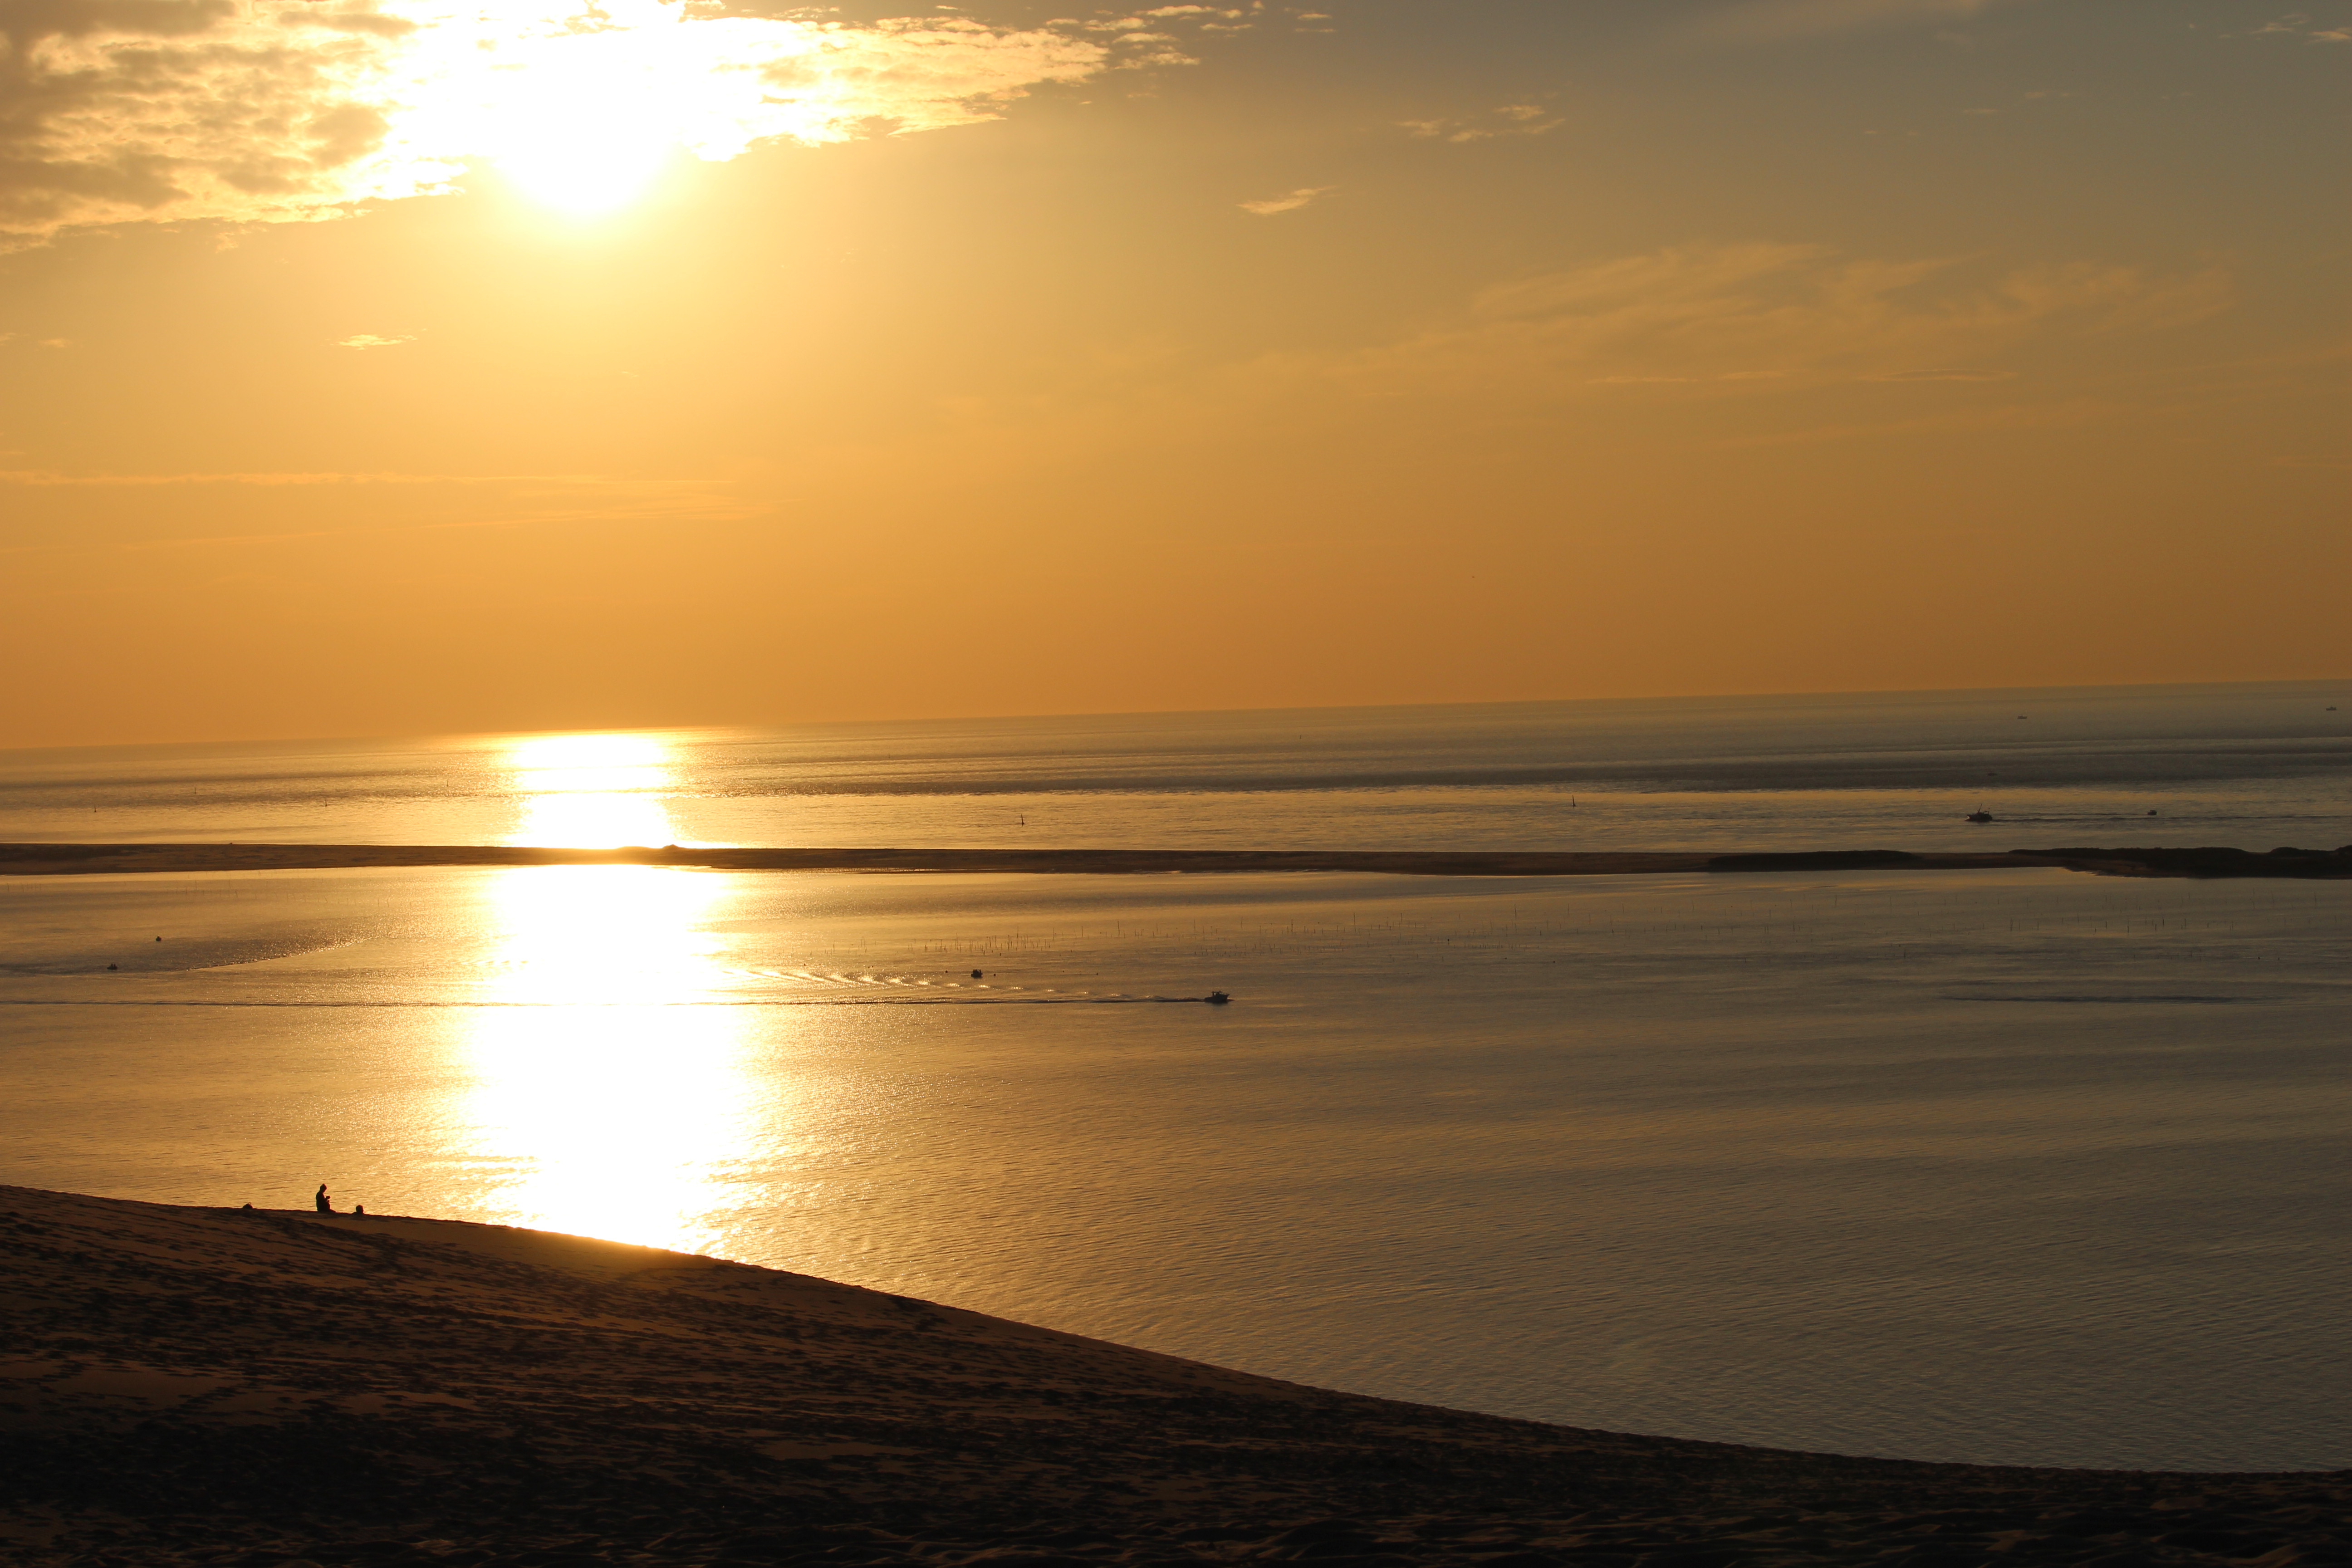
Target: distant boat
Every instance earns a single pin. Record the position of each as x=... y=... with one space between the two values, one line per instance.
x=1980 y=815
x=1216 y=998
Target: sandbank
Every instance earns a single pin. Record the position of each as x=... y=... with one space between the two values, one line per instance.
x=68 y=859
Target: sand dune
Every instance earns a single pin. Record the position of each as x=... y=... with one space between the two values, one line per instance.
x=276 y=1387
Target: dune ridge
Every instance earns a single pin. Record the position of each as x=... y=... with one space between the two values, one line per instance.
x=185 y=1385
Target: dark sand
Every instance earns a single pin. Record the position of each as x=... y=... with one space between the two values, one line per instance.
x=55 y=859
x=185 y=1385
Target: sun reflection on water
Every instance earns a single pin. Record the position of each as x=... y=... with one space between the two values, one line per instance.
x=614 y=1104
x=591 y=791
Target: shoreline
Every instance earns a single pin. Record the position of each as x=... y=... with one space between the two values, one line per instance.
x=195 y=1385
x=71 y=859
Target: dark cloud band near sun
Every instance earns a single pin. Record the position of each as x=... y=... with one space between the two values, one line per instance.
x=168 y=110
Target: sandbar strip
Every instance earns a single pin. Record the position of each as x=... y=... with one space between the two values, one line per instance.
x=56 y=859
x=70 y=859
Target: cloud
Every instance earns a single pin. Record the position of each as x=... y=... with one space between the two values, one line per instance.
x=493 y=501
x=1291 y=203
x=1510 y=119
x=1764 y=317
x=1754 y=21
x=273 y=110
x=48 y=479
x=2297 y=25
x=370 y=341
x=1208 y=18
x=1948 y=375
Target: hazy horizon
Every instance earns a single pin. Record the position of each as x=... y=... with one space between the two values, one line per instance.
x=1662 y=699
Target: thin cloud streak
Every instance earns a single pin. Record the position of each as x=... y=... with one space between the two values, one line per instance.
x=1509 y=119
x=527 y=501
x=50 y=479
x=1298 y=198
x=1759 y=21
x=1766 y=317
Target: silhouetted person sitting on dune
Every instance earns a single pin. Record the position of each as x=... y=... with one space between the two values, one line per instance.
x=321 y=1200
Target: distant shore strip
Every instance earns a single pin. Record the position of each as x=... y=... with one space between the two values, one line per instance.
x=68 y=859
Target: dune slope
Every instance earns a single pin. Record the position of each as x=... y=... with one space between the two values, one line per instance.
x=225 y=1387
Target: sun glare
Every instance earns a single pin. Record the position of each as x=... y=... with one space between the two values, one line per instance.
x=586 y=174
x=569 y=752
x=591 y=791
x=616 y=1096
x=569 y=105
x=587 y=125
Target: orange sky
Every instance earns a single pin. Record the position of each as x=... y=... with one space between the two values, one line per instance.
x=412 y=368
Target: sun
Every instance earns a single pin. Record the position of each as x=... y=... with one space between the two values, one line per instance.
x=594 y=791
x=585 y=130
x=584 y=176
x=569 y=753
x=579 y=110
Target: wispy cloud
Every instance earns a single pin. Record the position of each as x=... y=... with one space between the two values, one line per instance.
x=53 y=479
x=1763 y=317
x=1510 y=119
x=1762 y=20
x=370 y=341
x=284 y=109
x=492 y=501
x=1290 y=203
x=2299 y=24
x=1207 y=18
x=1901 y=375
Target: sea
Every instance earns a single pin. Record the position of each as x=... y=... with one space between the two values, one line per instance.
x=2014 y=1166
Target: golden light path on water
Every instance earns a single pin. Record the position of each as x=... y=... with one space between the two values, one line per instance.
x=591 y=791
x=614 y=1101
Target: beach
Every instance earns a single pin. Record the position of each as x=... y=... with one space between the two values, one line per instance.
x=269 y=1387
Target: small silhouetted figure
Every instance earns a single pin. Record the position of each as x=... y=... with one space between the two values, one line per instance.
x=359 y=1209
x=975 y=974
x=248 y=1209
x=320 y=1199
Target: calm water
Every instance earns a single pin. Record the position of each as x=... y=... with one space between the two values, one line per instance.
x=2016 y=1167
x=2251 y=765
